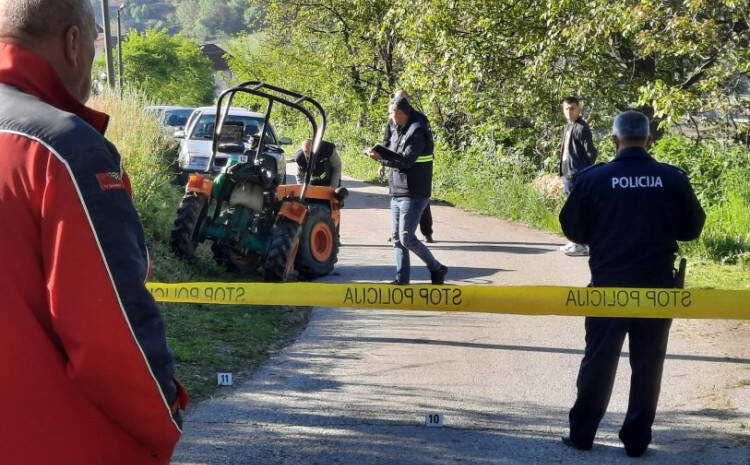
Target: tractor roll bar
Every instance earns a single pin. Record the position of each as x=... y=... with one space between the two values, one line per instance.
x=256 y=88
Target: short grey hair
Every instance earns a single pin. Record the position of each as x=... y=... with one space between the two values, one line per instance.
x=45 y=18
x=400 y=103
x=401 y=93
x=631 y=125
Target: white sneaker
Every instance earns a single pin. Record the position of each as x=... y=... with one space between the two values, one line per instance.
x=564 y=248
x=578 y=250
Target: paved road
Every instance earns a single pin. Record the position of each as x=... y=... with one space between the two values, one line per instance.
x=357 y=384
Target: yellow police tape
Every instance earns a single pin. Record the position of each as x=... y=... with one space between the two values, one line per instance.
x=526 y=300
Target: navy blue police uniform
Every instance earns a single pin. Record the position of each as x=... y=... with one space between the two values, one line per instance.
x=631 y=212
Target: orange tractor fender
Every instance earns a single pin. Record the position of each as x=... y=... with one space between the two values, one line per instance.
x=292 y=192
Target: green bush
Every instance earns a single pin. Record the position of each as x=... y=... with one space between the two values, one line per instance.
x=147 y=155
x=710 y=165
x=718 y=171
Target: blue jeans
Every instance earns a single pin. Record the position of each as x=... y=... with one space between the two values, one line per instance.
x=405 y=214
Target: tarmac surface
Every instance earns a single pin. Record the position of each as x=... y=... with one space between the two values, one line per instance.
x=357 y=386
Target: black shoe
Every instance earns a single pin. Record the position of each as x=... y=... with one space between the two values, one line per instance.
x=635 y=451
x=569 y=442
x=428 y=238
x=396 y=282
x=438 y=276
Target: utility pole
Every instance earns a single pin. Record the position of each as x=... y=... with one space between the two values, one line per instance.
x=119 y=48
x=107 y=45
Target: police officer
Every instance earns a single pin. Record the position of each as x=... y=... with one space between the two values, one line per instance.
x=327 y=169
x=410 y=185
x=631 y=212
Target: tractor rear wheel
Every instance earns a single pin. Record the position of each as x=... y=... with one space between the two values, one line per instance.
x=318 y=245
x=190 y=216
x=279 y=262
x=226 y=256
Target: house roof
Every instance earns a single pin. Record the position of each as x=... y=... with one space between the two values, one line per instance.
x=216 y=55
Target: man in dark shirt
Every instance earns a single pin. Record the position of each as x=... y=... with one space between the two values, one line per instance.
x=327 y=169
x=577 y=152
x=410 y=185
x=390 y=135
x=631 y=212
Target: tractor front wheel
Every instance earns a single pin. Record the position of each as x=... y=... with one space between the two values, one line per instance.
x=318 y=245
x=190 y=216
x=279 y=262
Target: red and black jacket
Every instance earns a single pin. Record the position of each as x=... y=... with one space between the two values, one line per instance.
x=88 y=374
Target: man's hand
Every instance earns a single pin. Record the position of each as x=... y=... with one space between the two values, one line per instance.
x=381 y=171
x=371 y=153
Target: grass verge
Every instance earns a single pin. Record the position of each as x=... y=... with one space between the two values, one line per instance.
x=711 y=275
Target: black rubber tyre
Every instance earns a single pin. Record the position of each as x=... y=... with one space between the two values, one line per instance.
x=226 y=256
x=190 y=214
x=277 y=266
x=318 y=245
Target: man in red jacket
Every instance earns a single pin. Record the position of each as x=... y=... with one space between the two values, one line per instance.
x=87 y=374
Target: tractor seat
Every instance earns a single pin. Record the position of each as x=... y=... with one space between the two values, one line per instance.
x=244 y=172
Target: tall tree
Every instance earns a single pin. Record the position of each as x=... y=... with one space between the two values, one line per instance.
x=171 y=70
x=350 y=45
x=208 y=20
x=493 y=72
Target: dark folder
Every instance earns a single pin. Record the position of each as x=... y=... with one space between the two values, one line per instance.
x=384 y=151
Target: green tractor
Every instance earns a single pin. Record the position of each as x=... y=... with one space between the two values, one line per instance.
x=256 y=223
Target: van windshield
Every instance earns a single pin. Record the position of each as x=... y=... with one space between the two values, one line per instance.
x=203 y=129
x=176 y=117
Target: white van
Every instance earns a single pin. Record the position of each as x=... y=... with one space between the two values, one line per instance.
x=196 y=139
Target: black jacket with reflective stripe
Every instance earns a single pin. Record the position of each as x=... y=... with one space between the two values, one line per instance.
x=411 y=167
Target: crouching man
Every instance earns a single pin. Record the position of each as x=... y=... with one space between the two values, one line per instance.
x=327 y=168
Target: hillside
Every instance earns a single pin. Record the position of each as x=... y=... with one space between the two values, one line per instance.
x=204 y=21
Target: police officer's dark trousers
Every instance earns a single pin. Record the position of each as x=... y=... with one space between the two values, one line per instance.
x=604 y=338
x=425 y=221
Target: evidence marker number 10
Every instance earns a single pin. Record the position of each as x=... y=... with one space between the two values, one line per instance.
x=434 y=420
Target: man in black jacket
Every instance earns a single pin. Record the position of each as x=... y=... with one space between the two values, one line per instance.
x=410 y=185
x=577 y=152
x=389 y=134
x=631 y=212
x=327 y=169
